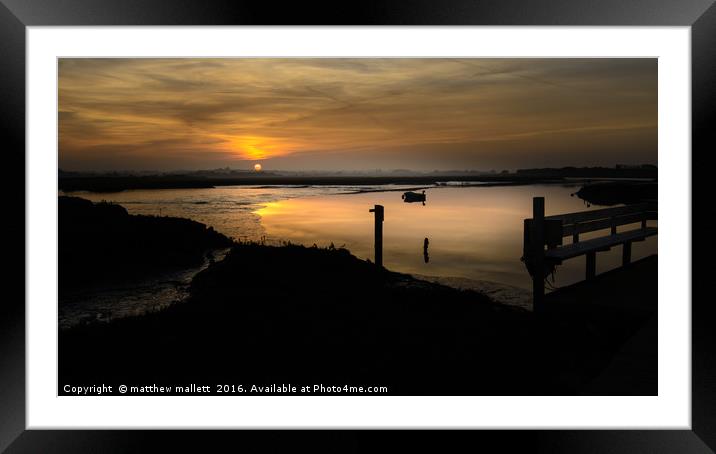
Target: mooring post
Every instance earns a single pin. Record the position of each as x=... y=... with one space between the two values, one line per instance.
x=379 y=215
x=537 y=253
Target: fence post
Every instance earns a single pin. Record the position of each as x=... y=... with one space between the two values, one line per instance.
x=379 y=215
x=537 y=253
x=575 y=235
x=626 y=253
x=591 y=265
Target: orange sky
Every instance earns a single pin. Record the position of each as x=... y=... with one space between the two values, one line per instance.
x=331 y=114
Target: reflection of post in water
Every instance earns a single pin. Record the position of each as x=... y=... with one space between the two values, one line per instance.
x=426 y=257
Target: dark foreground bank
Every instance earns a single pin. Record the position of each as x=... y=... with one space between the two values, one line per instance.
x=274 y=316
x=102 y=243
x=627 y=294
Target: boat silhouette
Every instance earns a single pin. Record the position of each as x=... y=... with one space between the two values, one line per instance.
x=410 y=197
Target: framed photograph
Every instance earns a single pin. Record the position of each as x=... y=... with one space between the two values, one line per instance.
x=394 y=216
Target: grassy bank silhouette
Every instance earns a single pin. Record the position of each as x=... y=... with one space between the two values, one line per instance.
x=617 y=192
x=102 y=242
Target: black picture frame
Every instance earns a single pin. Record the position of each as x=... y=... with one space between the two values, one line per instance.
x=16 y=15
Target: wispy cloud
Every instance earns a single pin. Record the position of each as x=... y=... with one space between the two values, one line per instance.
x=169 y=113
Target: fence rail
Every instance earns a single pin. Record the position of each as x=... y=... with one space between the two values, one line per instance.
x=543 y=247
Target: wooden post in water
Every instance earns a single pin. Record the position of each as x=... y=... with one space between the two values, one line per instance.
x=537 y=253
x=379 y=215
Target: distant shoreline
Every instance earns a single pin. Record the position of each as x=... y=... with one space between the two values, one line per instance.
x=121 y=183
x=116 y=184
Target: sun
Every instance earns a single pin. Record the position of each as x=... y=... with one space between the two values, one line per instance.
x=257 y=167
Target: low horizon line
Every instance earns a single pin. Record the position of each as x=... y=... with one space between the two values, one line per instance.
x=251 y=170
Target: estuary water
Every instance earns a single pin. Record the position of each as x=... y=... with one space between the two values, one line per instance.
x=474 y=234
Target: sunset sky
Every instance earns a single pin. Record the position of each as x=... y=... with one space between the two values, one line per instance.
x=355 y=114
